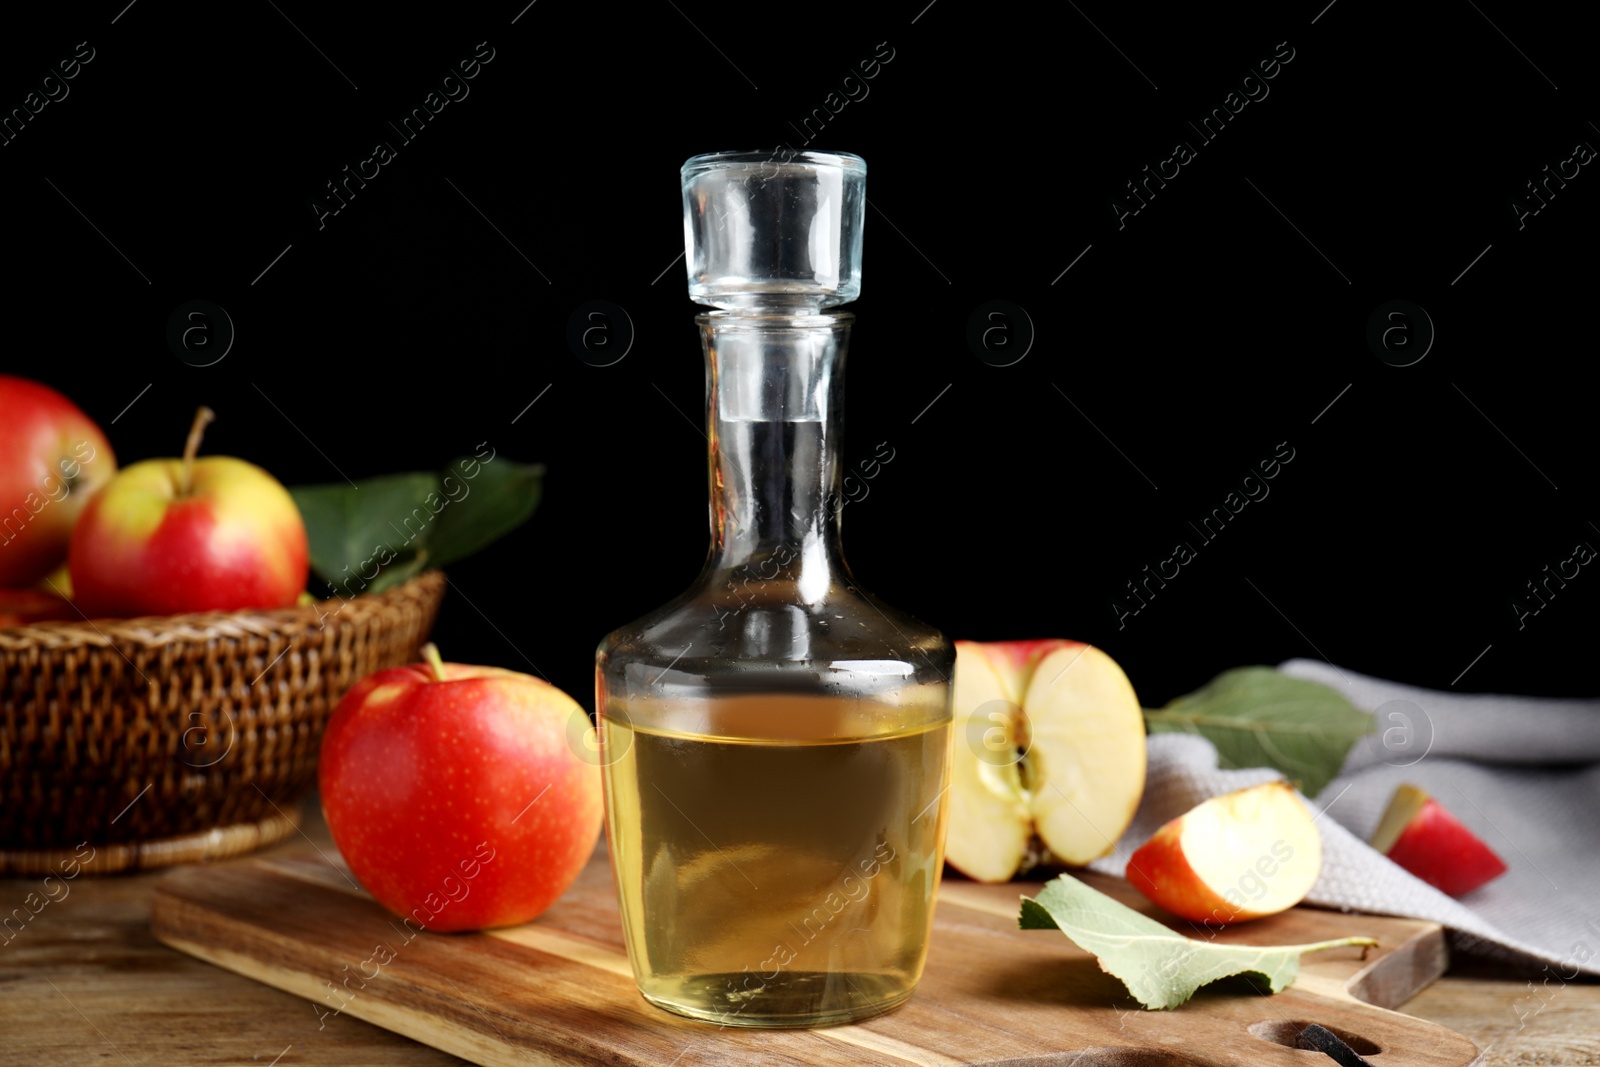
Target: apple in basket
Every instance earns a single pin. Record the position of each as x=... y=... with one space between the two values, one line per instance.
x=167 y=536
x=21 y=607
x=52 y=459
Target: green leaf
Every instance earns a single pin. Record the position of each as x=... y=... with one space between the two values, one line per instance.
x=1259 y=717
x=1162 y=969
x=500 y=497
x=350 y=529
x=382 y=531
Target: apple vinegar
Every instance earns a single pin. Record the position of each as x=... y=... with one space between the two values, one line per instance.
x=773 y=879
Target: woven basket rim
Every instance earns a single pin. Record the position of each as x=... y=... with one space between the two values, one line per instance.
x=154 y=631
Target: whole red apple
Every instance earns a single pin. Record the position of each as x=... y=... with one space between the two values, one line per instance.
x=167 y=536
x=52 y=459
x=453 y=793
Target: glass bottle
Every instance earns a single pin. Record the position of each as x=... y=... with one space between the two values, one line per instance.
x=775 y=741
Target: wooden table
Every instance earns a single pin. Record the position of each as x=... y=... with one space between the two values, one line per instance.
x=85 y=982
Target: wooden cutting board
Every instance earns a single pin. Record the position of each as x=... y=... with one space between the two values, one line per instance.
x=558 y=991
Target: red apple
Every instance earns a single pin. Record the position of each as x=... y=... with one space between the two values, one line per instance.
x=454 y=795
x=1049 y=743
x=167 y=536
x=1425 y=839
x=1241 y=855
x=52 y=459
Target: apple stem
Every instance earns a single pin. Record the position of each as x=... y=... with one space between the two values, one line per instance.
x=1364 y=943
x=202 y=419
x=430 y=654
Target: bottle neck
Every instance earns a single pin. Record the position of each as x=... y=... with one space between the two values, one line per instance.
x=774 y=404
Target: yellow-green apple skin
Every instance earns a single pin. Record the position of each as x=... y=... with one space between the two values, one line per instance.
x=52 y=459
x=145 y=545
x=454 y=794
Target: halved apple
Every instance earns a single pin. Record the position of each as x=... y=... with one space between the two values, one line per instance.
x=1050 y=744
x=1425 y=839
x=1241 y=855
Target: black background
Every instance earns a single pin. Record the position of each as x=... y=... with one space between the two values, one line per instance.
x=1176 y=352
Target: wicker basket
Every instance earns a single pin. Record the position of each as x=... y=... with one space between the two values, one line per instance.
x=145 y=742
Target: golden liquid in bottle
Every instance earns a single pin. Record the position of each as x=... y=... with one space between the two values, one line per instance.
x=772 y=880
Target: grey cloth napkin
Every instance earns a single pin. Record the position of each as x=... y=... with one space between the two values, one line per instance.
x=1523 y=773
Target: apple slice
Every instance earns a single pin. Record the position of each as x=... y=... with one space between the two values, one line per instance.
x=1050 y=743
x=1425 y=839
x=1241 y=855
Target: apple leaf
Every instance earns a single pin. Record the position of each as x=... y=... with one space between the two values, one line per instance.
x=381 y=531
x=1161 y=968
x=501 y=497
x=1258 y=717
x=349 y=529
